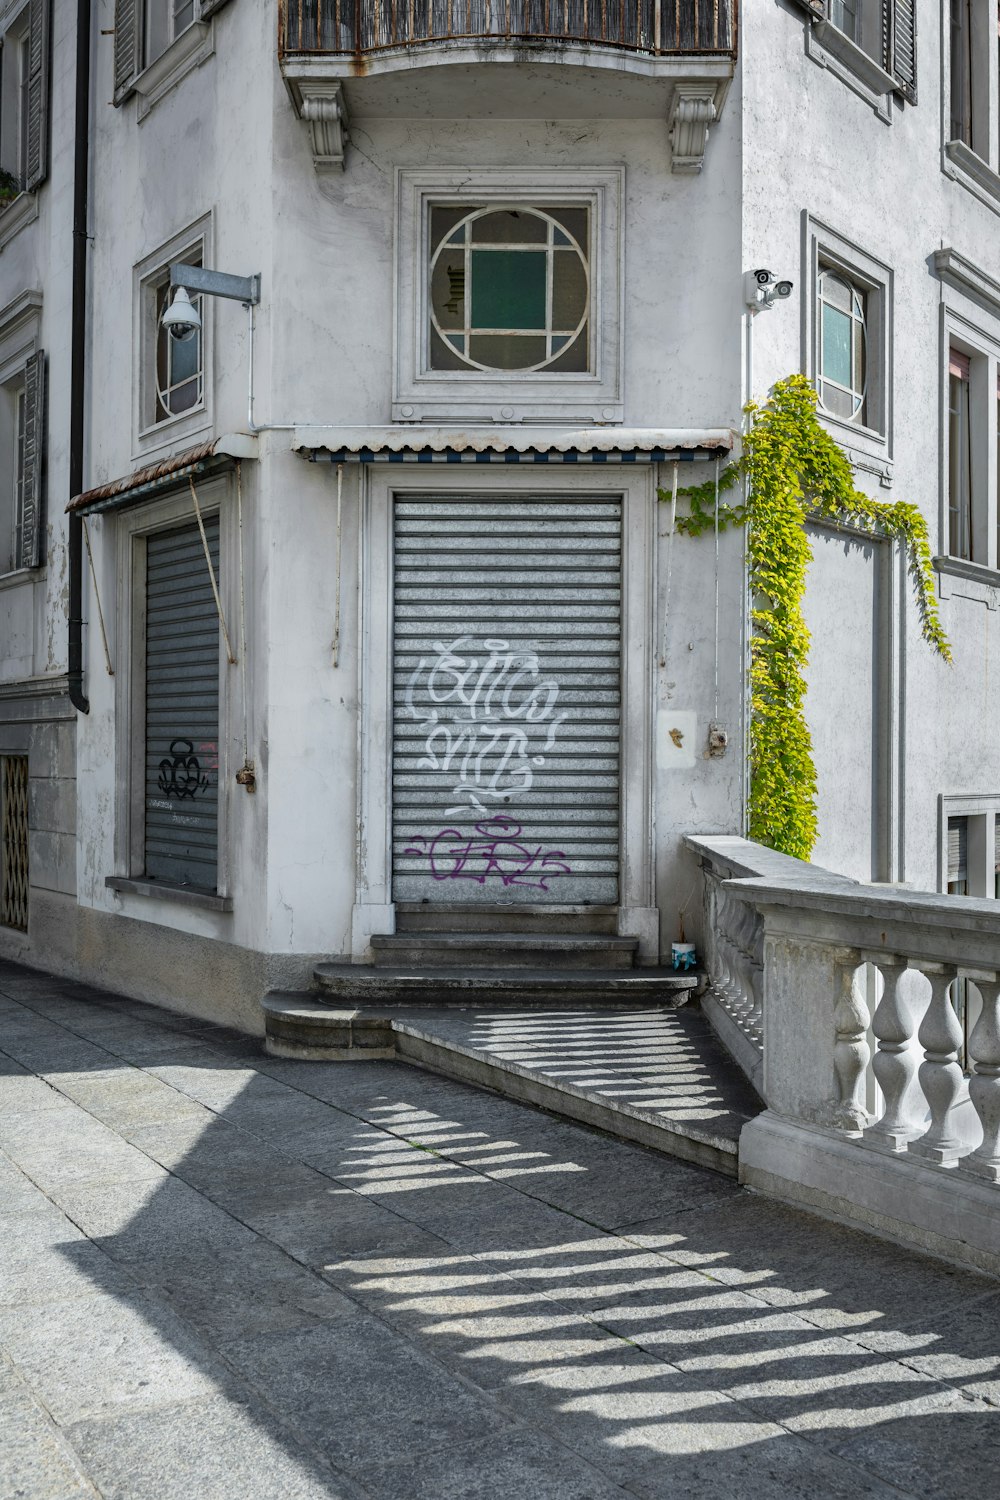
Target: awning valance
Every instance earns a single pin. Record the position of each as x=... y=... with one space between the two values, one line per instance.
x=511 y=445
x=153 y=479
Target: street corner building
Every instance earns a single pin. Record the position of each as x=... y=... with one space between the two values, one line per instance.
x=356 y=362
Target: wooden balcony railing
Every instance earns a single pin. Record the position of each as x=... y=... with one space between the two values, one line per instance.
x=658 y=27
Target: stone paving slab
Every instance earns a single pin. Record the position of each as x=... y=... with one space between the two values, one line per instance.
x=225 y=1276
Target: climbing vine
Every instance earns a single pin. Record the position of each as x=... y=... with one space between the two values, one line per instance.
x=793 y=471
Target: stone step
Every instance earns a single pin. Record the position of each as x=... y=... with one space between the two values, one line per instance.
x=459 y=916
x=402 y=984
x=502 y=950
x=647 y=1074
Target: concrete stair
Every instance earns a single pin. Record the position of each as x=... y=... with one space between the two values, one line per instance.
x=503 y=950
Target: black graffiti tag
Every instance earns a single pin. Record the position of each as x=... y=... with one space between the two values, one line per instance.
x=182 y=776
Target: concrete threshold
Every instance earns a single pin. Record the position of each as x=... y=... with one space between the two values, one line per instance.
x=655 y=1076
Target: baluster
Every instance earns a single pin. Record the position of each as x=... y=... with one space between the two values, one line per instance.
x=984 y=1085
x=850 y=1049
x=895 y=1063
x=940 y=1075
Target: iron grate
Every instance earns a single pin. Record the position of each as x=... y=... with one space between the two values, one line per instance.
x=14 y=827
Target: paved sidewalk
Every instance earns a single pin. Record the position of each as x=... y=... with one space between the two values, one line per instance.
x=228 y=1276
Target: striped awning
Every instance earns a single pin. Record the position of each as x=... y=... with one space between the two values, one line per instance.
x=511 y=445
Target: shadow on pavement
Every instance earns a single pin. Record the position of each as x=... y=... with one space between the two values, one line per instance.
x=250 y=1276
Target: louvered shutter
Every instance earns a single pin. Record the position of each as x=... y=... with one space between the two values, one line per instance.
x=128 y=44
x=899 y=42
x=182 y=708
x=37 y=152
x=958 y=850
x=31 y=521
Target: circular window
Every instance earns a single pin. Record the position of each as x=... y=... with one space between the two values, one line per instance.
x=509 y=289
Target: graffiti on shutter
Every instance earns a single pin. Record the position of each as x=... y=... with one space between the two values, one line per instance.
x=507 y=693
x=182 y=708
x=31 y=520
x=37 y=147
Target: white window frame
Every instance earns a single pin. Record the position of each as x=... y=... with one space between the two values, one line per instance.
x=420 y=393
x=133 y=528
x=981 y=811
x=982 y=347
x=19 y=340
x=175 y=431
x=184 y=51
x=855 y=60
x=868 y=444
x=975 y=165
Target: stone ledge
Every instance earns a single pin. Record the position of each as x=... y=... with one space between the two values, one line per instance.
x=932 y=1209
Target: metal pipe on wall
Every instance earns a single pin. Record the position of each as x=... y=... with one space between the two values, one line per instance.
x=78 y=355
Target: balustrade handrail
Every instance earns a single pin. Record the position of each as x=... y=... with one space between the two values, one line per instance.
x=659 y=27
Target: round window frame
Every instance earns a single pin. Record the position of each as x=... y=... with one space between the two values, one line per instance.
x=475 y=366
x=858 y=399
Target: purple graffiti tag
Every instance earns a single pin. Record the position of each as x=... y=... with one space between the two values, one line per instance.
x=496 y=854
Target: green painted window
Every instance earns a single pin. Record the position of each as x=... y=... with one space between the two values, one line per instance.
x=510 y=288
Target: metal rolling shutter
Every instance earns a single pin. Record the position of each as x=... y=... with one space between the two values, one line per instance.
x=182 y=708
x=507 y=700
x=958 y=851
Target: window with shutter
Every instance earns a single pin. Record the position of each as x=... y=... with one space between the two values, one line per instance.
x=24 y=100
x=147 y=29
x=857 y=34
x=22 y=457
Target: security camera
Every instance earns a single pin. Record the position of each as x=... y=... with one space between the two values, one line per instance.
x=182 y=320
x=761 y=287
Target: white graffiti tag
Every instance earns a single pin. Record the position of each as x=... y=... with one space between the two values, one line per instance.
x=488 y=717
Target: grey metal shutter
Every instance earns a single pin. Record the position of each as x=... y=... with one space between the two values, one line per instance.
x=958 y=847
x=128 y=46
x=31 y=519
x=507 y=700
x=37 y=150
x=182 y=708
x=899 y=40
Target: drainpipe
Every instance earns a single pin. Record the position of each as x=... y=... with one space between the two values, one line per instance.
x=78 y=354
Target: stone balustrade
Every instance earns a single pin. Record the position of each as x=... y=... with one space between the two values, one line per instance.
x=924 y=1164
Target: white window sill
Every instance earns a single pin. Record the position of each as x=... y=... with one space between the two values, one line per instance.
x=185 y=894
x=830 y=48
x=866 y=448
x=19 y=211
x=962 y=164
x=194 y=45
x=19 y=576
x=967 y=580
x=169 y=436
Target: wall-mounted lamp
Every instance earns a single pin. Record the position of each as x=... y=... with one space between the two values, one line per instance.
x=182 y=319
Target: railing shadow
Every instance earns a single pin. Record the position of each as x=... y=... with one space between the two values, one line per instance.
x=374 y=1281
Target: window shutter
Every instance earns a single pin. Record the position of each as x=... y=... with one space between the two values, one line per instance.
x=899 y=43
x=209 y=7
x=128 y=40
x=958 y=845
x=31 y=521
x=37 y=152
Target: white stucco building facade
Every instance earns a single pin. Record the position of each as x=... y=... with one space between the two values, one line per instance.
x=465 y=667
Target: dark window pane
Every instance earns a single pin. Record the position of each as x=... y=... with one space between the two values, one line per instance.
x=507 y=351
x=508 y=289
x=574 y=359
x=448 y=289
x=569 y=290
x=510 y=226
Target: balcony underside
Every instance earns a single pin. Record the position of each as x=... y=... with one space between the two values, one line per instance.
x=490 y=80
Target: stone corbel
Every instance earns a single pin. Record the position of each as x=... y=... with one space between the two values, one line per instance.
x=693 y=111
x=324 y=111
